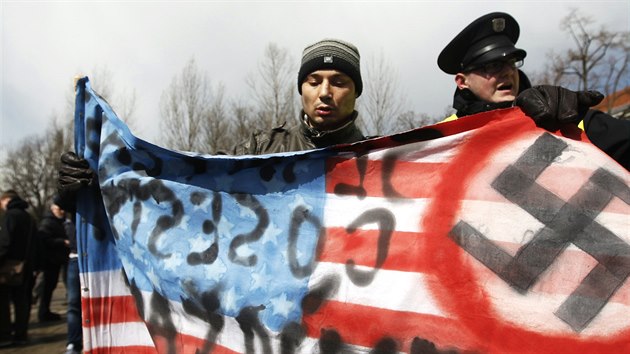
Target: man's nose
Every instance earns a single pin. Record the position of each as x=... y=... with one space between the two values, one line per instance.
x=324 y=89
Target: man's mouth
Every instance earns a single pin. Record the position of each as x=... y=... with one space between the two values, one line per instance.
x=504 y=87
x=323 y=110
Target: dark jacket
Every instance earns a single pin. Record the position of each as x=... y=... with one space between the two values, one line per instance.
x=298 y=138
x=52 y=241
x=610 y=135
x=17 y=231
x=72 y=235
x=466 y=103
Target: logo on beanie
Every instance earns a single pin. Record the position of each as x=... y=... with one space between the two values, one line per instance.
x=498 y=24
x=328 y=59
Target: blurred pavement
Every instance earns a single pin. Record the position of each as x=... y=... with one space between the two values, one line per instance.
x=49 y=337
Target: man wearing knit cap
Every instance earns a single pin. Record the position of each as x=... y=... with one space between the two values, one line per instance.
x=329 y=82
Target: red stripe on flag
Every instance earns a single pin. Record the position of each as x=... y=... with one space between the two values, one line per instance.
x=366 y=326
x=411 y=179
x=122 y=309
x=131 y=349
x=109 y=310
x=188 y=344
x=361 y=246
x=406 y=250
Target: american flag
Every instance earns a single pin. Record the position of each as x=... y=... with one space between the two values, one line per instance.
x=482 y=235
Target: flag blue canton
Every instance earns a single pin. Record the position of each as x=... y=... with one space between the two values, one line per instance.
x=226 y=231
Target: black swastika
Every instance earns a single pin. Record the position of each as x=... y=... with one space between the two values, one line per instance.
x=565 y=222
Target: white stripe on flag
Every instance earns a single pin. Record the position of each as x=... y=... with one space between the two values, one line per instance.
x=406 y=291
x=441 y=150
x=340 y=211
x=117 y=335
x=105 y=284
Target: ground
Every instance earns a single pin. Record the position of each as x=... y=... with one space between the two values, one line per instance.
x=46 y=338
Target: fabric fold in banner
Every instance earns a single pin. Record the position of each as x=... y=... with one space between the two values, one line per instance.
x=482 y=235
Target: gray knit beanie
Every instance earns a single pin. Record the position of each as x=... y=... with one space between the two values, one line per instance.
x=331 y=54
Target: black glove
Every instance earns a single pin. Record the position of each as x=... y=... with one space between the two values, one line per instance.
x=74 y=173
x=552 y=106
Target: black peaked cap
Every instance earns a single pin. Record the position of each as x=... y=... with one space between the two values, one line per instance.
x=488 y=38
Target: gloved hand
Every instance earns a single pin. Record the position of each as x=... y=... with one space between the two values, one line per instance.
x=552 y=106
x=74 y=173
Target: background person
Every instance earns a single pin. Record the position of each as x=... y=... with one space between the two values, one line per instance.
x=16 y=242
x=54 y=249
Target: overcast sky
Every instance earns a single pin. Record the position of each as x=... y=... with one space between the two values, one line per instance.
x=144 y=44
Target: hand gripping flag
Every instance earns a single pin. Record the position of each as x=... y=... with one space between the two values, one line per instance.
x=482 y=235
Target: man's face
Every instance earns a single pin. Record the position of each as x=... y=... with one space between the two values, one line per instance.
x=328 y=98
x=57 y=211
x=4 y=202
x=494 y=83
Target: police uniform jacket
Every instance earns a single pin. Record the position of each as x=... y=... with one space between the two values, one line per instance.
x=609 y=134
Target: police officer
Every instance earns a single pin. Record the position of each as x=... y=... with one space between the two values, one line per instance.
x=485 y=61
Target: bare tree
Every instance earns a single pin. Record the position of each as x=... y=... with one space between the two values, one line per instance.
x=31 y=167
x=243 y=119
x=599 y=59
x=102 y=80
x=122 y=100
x=381 y=103
x=273 y=88
x=217 y=125
x=187 y=109
x=410 y=120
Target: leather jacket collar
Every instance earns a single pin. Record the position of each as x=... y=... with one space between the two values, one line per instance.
x=467 y=103
x=348 y=133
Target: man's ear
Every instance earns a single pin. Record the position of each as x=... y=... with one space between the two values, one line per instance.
x=461 y=81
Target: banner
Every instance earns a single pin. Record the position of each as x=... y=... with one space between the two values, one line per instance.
x=481 y=235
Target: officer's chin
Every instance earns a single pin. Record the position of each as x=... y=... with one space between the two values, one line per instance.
x=504 y=97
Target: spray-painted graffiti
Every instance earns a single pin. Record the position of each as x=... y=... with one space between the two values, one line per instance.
x=205 y=303
x=566 y=222
x=251 y=260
